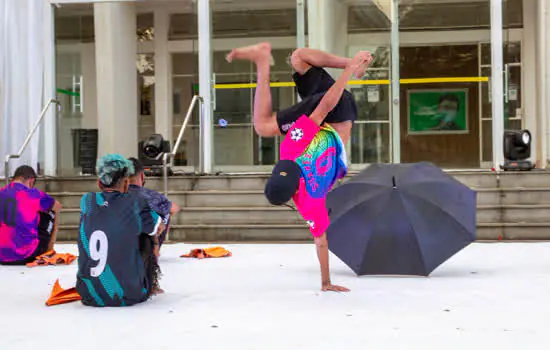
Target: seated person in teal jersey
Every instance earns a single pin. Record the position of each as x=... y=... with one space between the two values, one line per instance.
x=116 y=242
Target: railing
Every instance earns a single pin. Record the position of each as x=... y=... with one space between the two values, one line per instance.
x=180 y=136
x=27 y=140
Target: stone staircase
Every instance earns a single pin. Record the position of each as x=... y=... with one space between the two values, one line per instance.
x=511 y=206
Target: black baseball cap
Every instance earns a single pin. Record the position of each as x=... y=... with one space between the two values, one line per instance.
x=283 y=183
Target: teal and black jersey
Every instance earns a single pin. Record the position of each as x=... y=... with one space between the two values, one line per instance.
x=110 y=266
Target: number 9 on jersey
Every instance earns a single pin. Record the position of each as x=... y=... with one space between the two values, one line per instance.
x=99 y=247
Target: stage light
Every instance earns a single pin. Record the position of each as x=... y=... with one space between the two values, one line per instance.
x=154 y=146
x=517 y=148
x=150 y=154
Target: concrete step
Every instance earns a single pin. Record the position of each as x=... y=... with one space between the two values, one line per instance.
x=513 y=213
x=519 y=195
x=513 y=196
x=220 y=233
x=300 y=233
x=276 y=215
x=527 y=179
x=243 y=199
x=175 y=183
x=256 y=198
x=224 y=182
x=514 y=231
x=212 y=215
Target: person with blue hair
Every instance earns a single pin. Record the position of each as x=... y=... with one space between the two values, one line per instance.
x=117 y=240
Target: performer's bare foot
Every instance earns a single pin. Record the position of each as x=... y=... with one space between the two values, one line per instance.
x=359 y=73
x=255 y=53
x=158 y=291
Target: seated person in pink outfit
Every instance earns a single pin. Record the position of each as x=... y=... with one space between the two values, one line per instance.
x=312 y=154
x=28 y=219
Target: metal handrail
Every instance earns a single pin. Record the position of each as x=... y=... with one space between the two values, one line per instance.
x=178 y=141
x=27 y=140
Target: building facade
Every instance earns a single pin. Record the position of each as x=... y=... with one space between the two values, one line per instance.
x=448 y=77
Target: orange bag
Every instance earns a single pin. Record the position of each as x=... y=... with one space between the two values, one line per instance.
x=214 y=252
x=52 y=258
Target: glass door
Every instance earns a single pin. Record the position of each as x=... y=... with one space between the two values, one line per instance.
x=486 y=113
x=513 y=105
x=371 y=139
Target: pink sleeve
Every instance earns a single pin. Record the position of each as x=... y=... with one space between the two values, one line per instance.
x=298 y=138
x=319 y=221
x=313 y=210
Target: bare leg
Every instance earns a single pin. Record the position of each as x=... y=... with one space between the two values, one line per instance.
x=264 y=122
x=302 y=59
x=54 y=232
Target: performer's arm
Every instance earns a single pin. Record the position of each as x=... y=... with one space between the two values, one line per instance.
x=333 y=95
x=319 y=222
x=322 y=253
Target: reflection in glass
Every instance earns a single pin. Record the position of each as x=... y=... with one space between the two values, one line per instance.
x=234 y=107
x=145 y=65
x=487 y=141
x=74 y=33
x=185 y=84
x=455 y=143
x=145 y=27
x=373 y=100
x=370 y=143
x=513 y=100
x=511 y=53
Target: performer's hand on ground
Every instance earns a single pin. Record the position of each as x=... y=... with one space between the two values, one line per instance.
x=334 y=288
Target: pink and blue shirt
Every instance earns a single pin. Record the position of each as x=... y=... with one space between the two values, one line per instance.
x=320 y=153
x=19 y=218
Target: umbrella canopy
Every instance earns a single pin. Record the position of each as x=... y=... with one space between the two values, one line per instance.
x=400 y=219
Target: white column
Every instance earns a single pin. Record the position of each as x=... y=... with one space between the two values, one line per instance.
x=328 y=23
x=328 y=31
x=300 y=23
x=117 y=100
x=541 y=68
x=395 y=85
x=545 y=83
x=529 y=74
x=163 y=94
x=50 y=119
x=497 y=87
x=205 y=84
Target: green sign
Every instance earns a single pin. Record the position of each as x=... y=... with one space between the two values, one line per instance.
x=67 y=92
x=438 y=111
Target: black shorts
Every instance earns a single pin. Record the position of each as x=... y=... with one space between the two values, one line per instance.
x=311 y=87
x=45 y=229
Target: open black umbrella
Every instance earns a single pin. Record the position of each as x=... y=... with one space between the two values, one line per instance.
x=400 y=219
